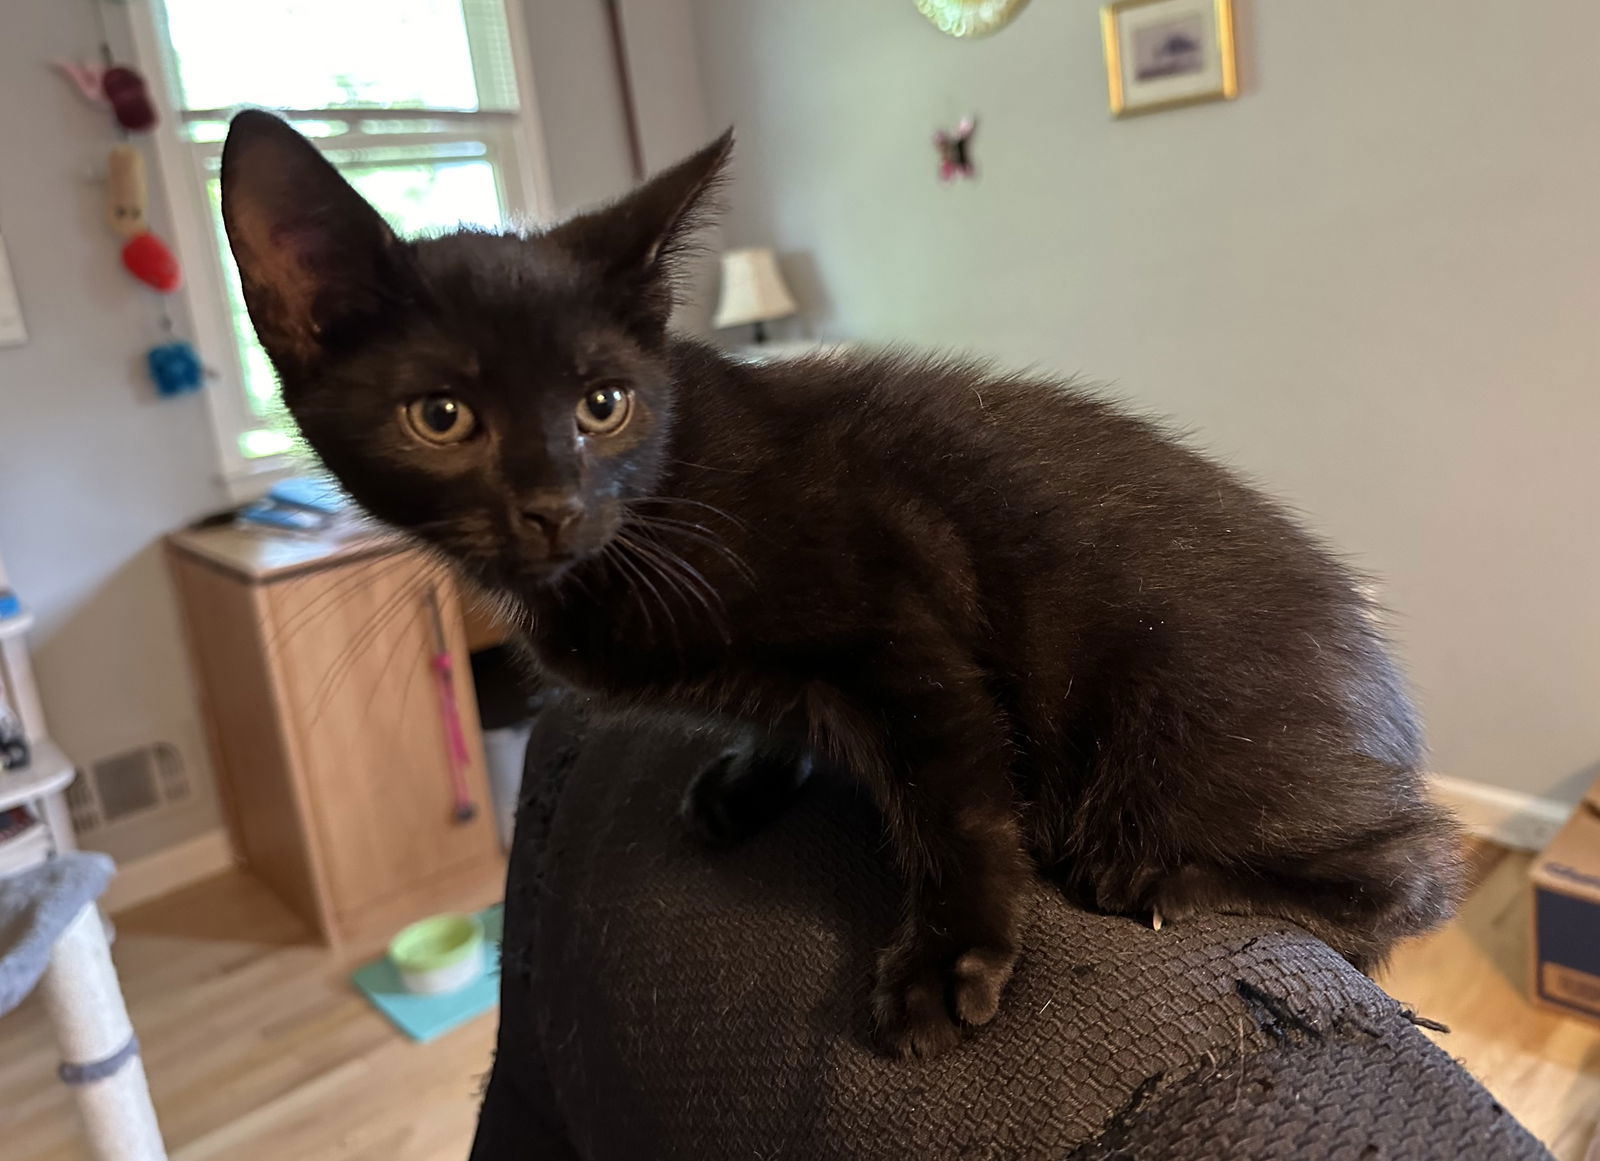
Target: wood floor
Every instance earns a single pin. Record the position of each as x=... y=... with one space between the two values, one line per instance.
x=1472 y=977
x=257 y=1047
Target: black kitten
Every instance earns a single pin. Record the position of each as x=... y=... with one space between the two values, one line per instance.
x=1044 y=633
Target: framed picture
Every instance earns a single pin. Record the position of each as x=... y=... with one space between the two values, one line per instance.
x=1164 y=53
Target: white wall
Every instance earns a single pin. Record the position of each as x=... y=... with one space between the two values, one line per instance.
x=93 y=466
x=579 y=101
x=670 y=106
x=1373 y=282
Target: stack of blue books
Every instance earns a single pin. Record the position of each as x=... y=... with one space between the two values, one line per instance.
x=299 y=504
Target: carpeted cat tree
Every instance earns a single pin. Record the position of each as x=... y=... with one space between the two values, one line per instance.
x=663 y=1001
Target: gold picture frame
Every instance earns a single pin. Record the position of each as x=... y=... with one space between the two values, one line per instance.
x=1164 y=54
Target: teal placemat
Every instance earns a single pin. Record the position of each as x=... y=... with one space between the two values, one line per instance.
x=426 y=1017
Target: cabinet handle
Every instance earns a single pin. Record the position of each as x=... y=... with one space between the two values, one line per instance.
x=444 y=668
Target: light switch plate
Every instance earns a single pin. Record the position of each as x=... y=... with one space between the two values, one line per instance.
x=12 y=332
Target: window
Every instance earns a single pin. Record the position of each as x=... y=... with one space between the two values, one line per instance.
x=424 y=105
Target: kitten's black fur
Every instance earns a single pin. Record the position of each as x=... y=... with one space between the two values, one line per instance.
x=1043 y=631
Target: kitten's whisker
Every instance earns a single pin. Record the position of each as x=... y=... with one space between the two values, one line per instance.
x=669 y=568
x=645 y=541
x=728 y=516
x=499 y=603
x=689 y=527
x=352 y=653
x=623 y=562
x=714 y=468
x=646 y=570
x=365 y=637
x=678 y=561
x=735 y=561
x=411 y=683
x=678 y=521
x=699 y=535
x=400 y=639
x=330 y=598
x=638 y=563
x=349 y=588
x=430 y=578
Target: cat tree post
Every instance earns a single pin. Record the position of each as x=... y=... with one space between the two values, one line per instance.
x=100 y=1056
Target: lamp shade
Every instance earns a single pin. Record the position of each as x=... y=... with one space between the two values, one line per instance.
x=752 y=289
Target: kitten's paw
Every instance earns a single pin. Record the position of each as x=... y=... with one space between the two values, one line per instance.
x=925 y=1001
x=737 y=795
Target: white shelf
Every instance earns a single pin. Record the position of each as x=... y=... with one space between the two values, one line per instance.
x=49 y=771
x=25 y=850
x=15 y=626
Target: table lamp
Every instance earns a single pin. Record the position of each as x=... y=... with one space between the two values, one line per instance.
x=753 y=291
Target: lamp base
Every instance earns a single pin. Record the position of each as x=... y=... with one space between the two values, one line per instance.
x=759 y=332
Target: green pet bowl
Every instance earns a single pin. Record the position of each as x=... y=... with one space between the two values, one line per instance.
x=439 y=954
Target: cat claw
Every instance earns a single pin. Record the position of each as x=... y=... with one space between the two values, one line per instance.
x=1155 y=919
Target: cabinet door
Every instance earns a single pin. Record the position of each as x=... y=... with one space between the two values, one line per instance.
x=355 y=647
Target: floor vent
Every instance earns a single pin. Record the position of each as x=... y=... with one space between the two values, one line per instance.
x=131 y=783
x=82 y=806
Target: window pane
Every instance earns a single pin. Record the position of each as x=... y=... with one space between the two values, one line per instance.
x=418 y=191
x=334 y=54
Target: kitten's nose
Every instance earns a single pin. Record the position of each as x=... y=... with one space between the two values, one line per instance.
x=555 y=514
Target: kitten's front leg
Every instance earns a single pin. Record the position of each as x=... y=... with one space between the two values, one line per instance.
x=953 y=823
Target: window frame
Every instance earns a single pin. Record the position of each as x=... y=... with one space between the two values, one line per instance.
x=516 y=136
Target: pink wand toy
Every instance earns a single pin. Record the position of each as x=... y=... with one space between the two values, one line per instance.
x=445 y=669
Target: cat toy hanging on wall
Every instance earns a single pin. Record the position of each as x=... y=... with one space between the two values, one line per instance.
x=118 y=86
x=146 y=256
x=174 y=366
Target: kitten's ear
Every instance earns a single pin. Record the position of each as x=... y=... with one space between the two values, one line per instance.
x=639 y=240
x=313 y=256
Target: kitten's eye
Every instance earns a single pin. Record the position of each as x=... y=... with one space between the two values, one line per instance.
x=440 y=419
x=604 y=410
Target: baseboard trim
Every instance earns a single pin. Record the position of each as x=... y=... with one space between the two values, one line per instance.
x=1519 y=821
x=155 y=875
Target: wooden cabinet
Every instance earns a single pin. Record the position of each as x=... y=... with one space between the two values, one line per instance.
x=328 y=728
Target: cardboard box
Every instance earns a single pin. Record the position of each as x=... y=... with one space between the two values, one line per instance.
x=1565 y=972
